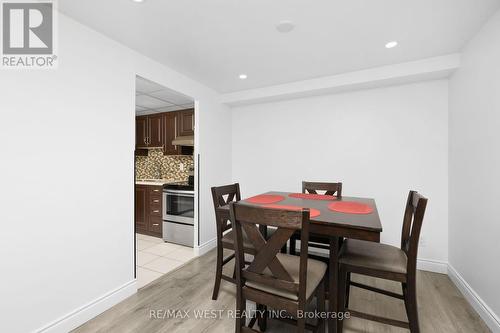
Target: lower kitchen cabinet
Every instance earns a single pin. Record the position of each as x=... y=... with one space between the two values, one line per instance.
x=148 y=210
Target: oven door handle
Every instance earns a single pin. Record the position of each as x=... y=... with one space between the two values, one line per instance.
x=180 y=195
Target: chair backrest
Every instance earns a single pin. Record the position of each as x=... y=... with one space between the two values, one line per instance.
x=247 y=218
x=221 y=196
x=412 y=224
x=329 y=188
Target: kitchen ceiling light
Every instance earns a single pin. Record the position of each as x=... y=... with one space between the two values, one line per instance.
x=138 y=1
x=285 y=26
x=243 y=76
x=392 y=44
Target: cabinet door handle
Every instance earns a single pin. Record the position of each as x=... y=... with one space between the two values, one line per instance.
x=156 y=201
x=155 y=224
x=156 y=211
x=156 y=190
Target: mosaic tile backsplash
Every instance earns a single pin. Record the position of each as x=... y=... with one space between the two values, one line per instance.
x=157 y=166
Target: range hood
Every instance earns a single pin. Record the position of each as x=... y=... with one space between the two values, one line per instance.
x=183 y=141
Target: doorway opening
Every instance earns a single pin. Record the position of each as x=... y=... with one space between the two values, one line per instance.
x=164 y=180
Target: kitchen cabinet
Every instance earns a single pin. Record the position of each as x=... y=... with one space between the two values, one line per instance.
x=155 y=127
x=148 y=210
x=160 y=129
x=149 y=131
x=141 y=200
x=141 y=132
x=185 y=123
x=170 y=133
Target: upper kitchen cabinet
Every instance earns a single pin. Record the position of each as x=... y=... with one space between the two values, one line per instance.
x=186 y=122
x=160 y=129
x=155 y=130
x=149 y=131
x=141 y=132
x=170 y=133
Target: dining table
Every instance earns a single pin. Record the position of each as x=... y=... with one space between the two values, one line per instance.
x=330 y=222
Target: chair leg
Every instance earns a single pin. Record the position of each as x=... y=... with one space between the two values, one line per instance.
x=321 y=305
x=347 y=289
x=301 y=325
x=293 y=244
x=218 y=272
x=240 y=310
x=404 y=289
x=327 y=284
x=341 y=295
x=262 y=317
x=411 y=305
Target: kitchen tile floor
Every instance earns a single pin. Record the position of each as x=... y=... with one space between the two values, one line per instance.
x=155 y=258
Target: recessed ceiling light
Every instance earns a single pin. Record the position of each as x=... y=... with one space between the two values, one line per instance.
x=243 y=76
x=285 y=26
x=391 y=44
x=138 y=1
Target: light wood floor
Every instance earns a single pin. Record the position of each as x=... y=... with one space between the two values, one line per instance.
x=441 y=306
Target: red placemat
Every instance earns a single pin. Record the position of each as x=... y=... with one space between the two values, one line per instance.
x=311 y=196
x=350 y=207
x=265 y=199
x=312 y=211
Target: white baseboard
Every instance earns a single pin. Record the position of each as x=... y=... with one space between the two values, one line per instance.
x=484 y=311
x=430 y=265
x=205 y=247
x=90 y=310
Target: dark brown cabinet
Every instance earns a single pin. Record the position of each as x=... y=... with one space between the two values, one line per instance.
x=155 y=130
x=159 y=130
x=141 y=213
x=148 y=210
x=149 y=131
x=141 y=131
x=186 y=122
x=170 y=133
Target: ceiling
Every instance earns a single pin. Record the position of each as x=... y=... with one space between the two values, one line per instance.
x=215 y=41
x=151 y=98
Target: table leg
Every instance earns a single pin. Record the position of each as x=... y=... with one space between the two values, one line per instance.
x=333 y=282
x=263 y=230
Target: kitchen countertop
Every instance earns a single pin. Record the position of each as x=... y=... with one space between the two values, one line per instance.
x=157 y=182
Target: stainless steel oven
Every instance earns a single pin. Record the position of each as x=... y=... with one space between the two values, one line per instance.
x=178 y=216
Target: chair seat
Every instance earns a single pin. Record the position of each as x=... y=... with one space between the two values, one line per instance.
x=228 y=239
x=373 y=255
x=315 y=273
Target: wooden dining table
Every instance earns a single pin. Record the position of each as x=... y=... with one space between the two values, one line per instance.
x=336 y=226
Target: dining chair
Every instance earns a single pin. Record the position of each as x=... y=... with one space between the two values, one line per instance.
x=221 y=196
x=385 y=262
x=273 y=279
x=317 y=241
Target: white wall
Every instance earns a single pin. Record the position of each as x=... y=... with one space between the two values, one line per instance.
x=67 y=142
x=474 y=169
x=380 y=143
